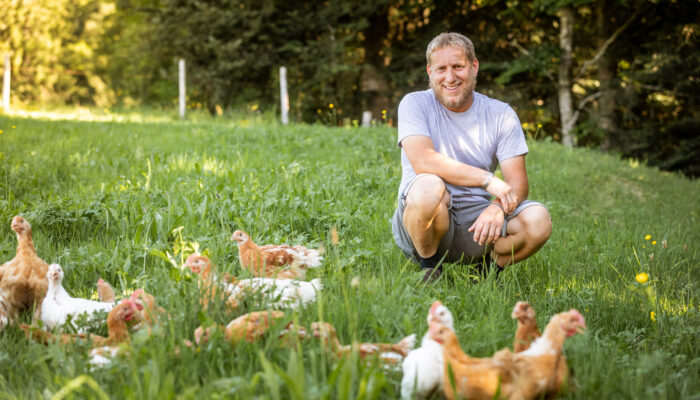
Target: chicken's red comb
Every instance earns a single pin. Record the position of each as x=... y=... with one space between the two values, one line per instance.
x=191 y=258
x=132 y=303
x=136 y=294
x=435 y=305
x=578 y=315
x=100 y=281
x=129 y=302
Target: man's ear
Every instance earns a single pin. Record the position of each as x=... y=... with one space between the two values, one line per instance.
x=427 y=68
x=475 y=65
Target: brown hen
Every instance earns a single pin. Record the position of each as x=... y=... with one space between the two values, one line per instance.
x=468 y=377
x=527 y=326
x=249 y=327
x=275 y=261
x=542 y=369
x=106 y=348
x=388 y=353
x=23 y=281
x=210 y=282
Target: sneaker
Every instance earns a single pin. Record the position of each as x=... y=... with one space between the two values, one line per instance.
x=430 y=275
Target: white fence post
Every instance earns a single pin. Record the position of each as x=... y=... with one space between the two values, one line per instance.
x=284 y=96
x=366 y=118
x=181 y=68
x=6 y=85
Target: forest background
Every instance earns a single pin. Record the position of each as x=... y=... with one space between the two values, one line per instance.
x=621 y=76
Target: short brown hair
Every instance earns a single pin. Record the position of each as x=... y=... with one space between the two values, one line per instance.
x=451 y=39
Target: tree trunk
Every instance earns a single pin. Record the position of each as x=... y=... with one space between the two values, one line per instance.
x=375 y=85
x=566 y=44
x=606 y=77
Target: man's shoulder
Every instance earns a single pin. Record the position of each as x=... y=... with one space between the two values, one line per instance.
x=419 y=97
x=491 y=104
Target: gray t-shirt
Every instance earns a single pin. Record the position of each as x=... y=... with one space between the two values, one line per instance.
x=486 y=134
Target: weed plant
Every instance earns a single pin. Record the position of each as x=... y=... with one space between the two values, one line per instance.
x=125 y=200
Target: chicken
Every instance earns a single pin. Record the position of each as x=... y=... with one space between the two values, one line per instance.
x=422 y=367
x=210 y=283
x=106 y=348
x=275 y=261
x=105 y=291
x=388 y=353
x=249 y=327
x=58 y=304
x=23 y=279
x=542 y=369
x=43 y=337
x=150 y=314
x=279 y=293
x=527 y=326
x=473 y=378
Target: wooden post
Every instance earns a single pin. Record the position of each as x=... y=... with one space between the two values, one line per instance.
x=284 y=96
x=366 y=118
x=181 y=68
x=6 y=85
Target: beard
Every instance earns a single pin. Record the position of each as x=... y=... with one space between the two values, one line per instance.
x=462 y=99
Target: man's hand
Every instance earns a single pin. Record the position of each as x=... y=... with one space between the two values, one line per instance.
x=502 y=190
x=487 y=228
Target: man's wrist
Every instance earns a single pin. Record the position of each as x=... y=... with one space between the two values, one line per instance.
x=499 y=206
x=485 y=183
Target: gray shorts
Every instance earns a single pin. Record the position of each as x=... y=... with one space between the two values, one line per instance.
x=457 y=242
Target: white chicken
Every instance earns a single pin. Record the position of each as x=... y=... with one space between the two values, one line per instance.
x=58 y=304
x=422 y=367
x=280 y=293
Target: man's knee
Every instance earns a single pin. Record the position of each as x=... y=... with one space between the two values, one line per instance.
x=537 y=223
x=427 y=192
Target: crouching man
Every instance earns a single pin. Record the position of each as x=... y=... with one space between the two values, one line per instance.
x=452 y=139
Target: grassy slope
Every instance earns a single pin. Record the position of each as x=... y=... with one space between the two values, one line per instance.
x=102 y=196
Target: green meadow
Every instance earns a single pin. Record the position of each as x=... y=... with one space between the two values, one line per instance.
x=125 y=198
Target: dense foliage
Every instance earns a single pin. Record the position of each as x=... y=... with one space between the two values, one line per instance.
x=630 y=76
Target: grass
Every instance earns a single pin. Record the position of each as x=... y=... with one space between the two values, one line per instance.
x=107 y=197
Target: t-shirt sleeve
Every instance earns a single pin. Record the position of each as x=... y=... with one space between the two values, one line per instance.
x=511 y=142
x=413 y=119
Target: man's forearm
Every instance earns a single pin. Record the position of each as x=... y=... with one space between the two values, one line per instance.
x=451 y=170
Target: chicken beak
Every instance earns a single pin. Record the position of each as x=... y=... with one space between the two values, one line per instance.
x=581 y=329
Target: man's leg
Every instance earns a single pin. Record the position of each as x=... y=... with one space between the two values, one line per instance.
x=527 y=232
x=426 y=217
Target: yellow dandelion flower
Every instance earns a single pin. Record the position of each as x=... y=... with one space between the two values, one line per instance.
x=653 y=242
x=318 y=111
x=13 y=127
x=647 y=237
x=652 y=315
x=524 y=124
x=0 y=131
x=331 y=105
x=642 y=277
x=383 y=111
x=539 y=125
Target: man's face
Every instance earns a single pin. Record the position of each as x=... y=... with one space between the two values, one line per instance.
x=453 y=78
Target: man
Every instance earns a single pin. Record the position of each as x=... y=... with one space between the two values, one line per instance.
x=452 y=139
